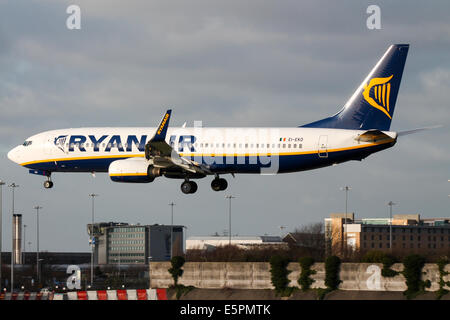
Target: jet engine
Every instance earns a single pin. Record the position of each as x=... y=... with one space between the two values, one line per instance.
x=133 y=170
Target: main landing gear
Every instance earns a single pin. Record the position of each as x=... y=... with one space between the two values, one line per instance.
x=188 y=187
x=219 y=184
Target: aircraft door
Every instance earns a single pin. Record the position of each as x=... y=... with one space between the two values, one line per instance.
x=48 y=145
x=323 y=147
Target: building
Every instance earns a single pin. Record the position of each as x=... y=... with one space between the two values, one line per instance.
x=409 y=232
x=122 y=243
x=50 y=258
x=212 y=242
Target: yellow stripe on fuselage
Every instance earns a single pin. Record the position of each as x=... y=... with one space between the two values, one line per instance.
x=84 y=158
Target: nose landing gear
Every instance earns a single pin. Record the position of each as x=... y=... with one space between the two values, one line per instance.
x=48 y=184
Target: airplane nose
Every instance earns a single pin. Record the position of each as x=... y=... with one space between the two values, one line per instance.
x=13 y=155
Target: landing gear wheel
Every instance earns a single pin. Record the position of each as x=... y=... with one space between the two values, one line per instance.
x=188 y=187
x=223 y=184
x=194 y=186
x=48 y=184
x=219 y=184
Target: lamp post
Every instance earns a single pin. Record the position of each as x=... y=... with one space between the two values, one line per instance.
x=119 y=262
x=93 y=195
x=149 y=276
x=24 y=243
x=346 y=189
x=229 y=218
x=281 y=230
x=37 y=208
x=390 y=204
x=12 y=186
x=39 y=273
x=1 y=228
x=171 y=232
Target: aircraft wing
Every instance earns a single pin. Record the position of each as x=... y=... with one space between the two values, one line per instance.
x=164 y=156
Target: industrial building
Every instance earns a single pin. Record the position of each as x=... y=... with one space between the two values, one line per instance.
x=409 y=232
x=122 y=243
x=211 y=242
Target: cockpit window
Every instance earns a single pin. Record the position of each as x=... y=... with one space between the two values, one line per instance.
x=27 y=143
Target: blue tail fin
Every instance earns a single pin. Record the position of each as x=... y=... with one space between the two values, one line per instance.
x=373 y=103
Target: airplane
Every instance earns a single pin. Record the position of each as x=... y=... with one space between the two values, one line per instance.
x=140 y=155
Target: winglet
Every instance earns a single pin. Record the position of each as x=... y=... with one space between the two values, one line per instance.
x=161 y=132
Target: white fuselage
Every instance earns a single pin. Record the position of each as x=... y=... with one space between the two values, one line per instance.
x=234 y=150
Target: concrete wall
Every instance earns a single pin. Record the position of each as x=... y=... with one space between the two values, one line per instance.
x=256 y=275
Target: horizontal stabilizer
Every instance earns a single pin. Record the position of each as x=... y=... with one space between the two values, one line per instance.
x=404 y=133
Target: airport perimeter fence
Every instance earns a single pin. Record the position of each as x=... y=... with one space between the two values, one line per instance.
x=134 y=294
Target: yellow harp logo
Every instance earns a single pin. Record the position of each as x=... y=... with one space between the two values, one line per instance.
x=381 y=94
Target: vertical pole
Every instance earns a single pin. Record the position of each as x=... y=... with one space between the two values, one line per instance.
x=24 y=243
x=344 y=237
x=13 y=186
x=93 y=195
x=390 y=204
x=229 y=223
x=38 y=274
x=229 y=218
x=390 y=228
x=1 y=231
x=171 y=232
x=92 y=243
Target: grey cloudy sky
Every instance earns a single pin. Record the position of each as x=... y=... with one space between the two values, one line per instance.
x=227 y=63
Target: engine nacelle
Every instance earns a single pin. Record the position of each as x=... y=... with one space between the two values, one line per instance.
x=137 y=170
